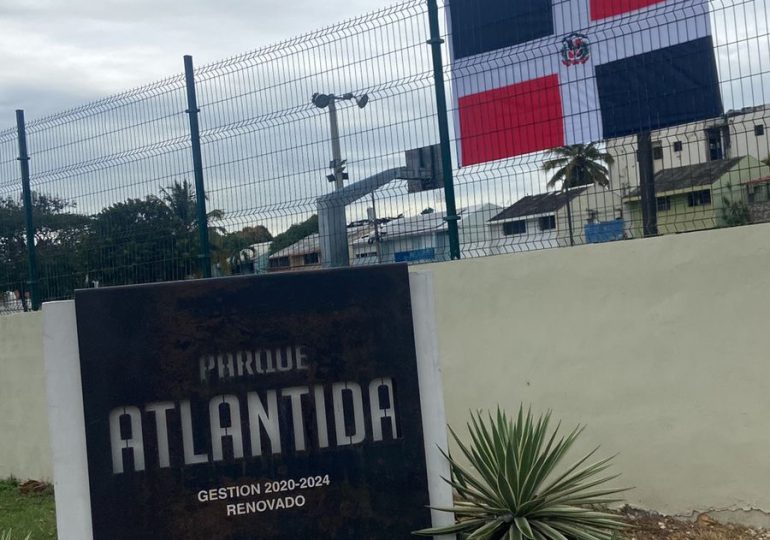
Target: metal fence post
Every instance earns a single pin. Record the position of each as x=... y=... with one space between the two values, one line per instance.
x=200 y=193
x=648 y=199
x=443 y=128
x=30 y=226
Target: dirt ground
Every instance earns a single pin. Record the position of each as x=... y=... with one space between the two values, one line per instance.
x=652 y=526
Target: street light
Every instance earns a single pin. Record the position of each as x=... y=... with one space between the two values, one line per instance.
x=323 y=101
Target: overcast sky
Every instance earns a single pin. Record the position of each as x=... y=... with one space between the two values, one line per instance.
x=56 y=54
x=60 y=54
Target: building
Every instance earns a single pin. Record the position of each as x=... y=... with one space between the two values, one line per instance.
x=735 y=134
x=306 y=253
x=693 y=197
x=425 y=237
x=542 y=221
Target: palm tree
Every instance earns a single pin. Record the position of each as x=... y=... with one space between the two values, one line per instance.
x=180 y=199
x=577 y=165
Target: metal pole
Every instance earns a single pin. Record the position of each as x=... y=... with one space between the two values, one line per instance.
x=443 y=128
x=27 y=194
x=336 y=150
x=649 y=200
x=200 y=193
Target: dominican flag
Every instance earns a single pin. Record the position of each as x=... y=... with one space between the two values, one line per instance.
x=530 y=75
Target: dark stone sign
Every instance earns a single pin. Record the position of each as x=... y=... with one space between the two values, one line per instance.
x=275 y=407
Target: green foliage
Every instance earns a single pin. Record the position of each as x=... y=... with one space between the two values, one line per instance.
x=58 y=231
x=8 y=535
x=228 y=247
x=294 y=234
x=512 y=490
x=181 y=200
x=578 y=165
x=133 y=241
x=138 y=241
x=26 y=517
x=235 y=242
x=734 y=212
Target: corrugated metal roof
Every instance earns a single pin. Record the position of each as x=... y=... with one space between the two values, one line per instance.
x=414 y=225
x=533 y=205
x=689 y=176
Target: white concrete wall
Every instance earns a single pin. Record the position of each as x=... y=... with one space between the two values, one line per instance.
x=660 y=346
x=24 y=444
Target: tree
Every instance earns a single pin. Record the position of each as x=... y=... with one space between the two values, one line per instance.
x=294 y=234
x=58 y=237
x=181 y=200
x=231 y=245
x=766 y=161
x=248 y=236
x=137 y=241
x=577 y=165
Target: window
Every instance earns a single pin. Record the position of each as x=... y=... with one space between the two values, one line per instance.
x=664 y=204
x=657 y=151
x=714 y=137
x=677 y=146
x=547 y=223
x=759 y=130
x=513 y=228
x=312 y=258
x=759 y=193
x=699 y=198
x=366 y=255
x=279 y=262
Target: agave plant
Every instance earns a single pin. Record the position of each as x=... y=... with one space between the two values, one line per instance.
x=512 y=490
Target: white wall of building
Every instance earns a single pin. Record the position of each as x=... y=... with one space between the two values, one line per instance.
x=596 y=203
x=695 y=149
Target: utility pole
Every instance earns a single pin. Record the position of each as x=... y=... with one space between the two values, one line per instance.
x=334 y=230
x=337 y=165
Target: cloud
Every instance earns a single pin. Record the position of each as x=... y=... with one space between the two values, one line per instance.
x=265 y=147
x=58 y=54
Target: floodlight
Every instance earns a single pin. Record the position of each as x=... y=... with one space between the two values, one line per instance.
x=322 y=100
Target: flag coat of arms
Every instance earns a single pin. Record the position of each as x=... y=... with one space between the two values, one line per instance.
x=529 y=75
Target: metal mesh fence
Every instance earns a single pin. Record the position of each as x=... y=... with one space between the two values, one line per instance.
x=113 y=185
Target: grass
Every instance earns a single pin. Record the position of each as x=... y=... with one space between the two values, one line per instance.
x=30 y=514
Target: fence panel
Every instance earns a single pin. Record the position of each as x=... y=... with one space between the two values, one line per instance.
x=13 y=252
x=113 y=181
